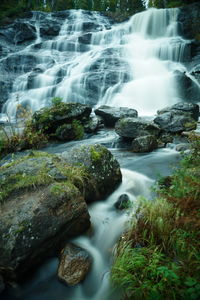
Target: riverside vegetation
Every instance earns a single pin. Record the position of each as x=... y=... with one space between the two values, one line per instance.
x=43 y=126
x=119 y=9
x=158 y=257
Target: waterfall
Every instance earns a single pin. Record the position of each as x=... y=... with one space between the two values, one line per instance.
x=92 y=61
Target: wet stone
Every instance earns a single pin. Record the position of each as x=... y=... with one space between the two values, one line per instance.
x=74 y=264
x=123 y=202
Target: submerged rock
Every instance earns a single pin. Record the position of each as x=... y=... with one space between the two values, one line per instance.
x=131 y=128
x=145 y=143
x=111 y=115
x=74 y=265
x=101 y=165
x=182 y=147
x=123 y=202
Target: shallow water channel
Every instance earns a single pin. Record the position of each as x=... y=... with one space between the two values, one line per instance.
x=139 y=174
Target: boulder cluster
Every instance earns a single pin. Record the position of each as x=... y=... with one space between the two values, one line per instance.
x=147 y=135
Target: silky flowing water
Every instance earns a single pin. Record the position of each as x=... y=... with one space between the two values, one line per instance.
x=130 y=64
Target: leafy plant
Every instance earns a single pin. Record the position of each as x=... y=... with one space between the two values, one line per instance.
x=56 y=101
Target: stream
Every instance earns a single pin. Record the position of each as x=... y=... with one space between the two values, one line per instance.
x=139 y=173
x=131 y=64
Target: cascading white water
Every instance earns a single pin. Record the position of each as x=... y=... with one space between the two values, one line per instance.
x=130 y=64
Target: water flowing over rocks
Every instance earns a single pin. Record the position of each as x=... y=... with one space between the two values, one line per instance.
x=85 y=57
x=111 y=115
x=186 y=85
x=75 y=263
x=18 y=32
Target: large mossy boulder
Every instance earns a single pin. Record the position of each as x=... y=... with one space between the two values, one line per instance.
x=111 y=115
x=41 y=206
x=100 y=164
x=131 y=128
x=43 y=202
x=48 y=119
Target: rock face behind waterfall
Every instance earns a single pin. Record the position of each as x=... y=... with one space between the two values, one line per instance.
x=84 y=57
x=189 y=20
x=43 y=203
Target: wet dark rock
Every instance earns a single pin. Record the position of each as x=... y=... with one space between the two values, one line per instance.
x=101 y=165
x=182 y=147
x=175 y=123
x=18 y=32
x=5 y=88
x=2 y=285
x=40 y=208
x=61 y=14
x=123 y=202
x=145 y=143
x=48 y=119
x=75 y=263
x=111 y=115
x=189 y=17
x=85 y=39
x=131 y=128
x=165 y=138
x=92 y=125
x=4 y=51
x=182 y=108
x=51 y=28
x=98 y=83
x=188 y=89
x=18 y=63
x=69 y=46
x=195 y=72
x=68 y=132
x=91 y=26
x=165 y=182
